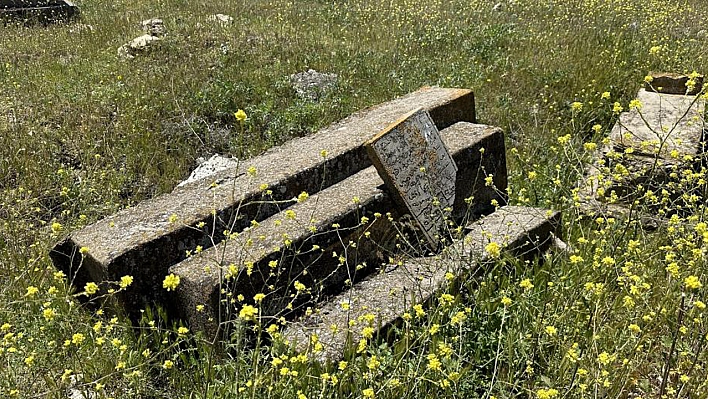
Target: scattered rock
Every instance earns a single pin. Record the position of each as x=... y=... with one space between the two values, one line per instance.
x=79 y=28
x=497 y=7
x=154 y=27
x=221 y=19
x=209 y=167
x=311 y=85
x=140 y=44
x=77 y=391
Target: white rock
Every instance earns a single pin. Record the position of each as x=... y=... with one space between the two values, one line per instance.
x=222 y=19
x=138 y=45
x=154 y=27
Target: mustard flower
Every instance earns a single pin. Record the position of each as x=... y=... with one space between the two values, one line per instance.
x=32 y=291
x=433 y=362
x=170 y=282
x=546 y=393
x=526 y=284
x=126 y=281
x=248 y=312
x=90 y=288
x=240 y=115
x=493 y=250
x=617 y=108
x=692 y=283
x=302 y=197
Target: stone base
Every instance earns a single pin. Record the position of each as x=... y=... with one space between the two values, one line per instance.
x=521 y=231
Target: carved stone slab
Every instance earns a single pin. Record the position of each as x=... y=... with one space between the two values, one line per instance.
x=413 y=161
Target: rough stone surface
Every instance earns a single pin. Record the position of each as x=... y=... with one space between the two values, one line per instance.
x=311 y=85
x=672 y=83
x=153 y=27
x=139 y=45
x=674 y=120
x=145 y=240
x=209 y=167
x=202 y=276
x=412 y=159
x=387 y=295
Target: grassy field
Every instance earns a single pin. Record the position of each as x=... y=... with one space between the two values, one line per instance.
x=84 y=133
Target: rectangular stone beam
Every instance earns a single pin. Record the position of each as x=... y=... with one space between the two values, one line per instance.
x=520 y=231
x=314 y=238
x=144 y=240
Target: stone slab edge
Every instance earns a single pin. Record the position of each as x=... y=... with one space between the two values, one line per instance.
x=124 y=242
x=522 y=231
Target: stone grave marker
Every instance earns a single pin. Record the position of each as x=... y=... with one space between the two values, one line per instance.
x=413 y=161
x=662 y=133
x=47 y=10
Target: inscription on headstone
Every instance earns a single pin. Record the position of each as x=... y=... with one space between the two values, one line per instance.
x=413 y=161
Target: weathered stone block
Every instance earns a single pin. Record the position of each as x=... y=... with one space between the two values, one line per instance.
x=646 y=147
x=664 y=123
x=521 y=231
x=261 y=262
x=143 y=241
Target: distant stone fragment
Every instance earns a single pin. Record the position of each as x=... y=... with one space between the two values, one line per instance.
x=47 y=10
x=221 y=19
x=153 y=27
x=412 y=159
x=661 y=123
x=311 y=85
x=673 y=83
x=139 y=45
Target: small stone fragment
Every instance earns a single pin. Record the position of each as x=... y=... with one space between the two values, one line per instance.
x=154 y=27
x=311 y=85
x=139 y=45
x=221 y=19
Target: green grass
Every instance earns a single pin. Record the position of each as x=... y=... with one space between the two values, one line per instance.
x=84 y=133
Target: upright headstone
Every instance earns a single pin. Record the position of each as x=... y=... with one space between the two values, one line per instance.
x=413 y=161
